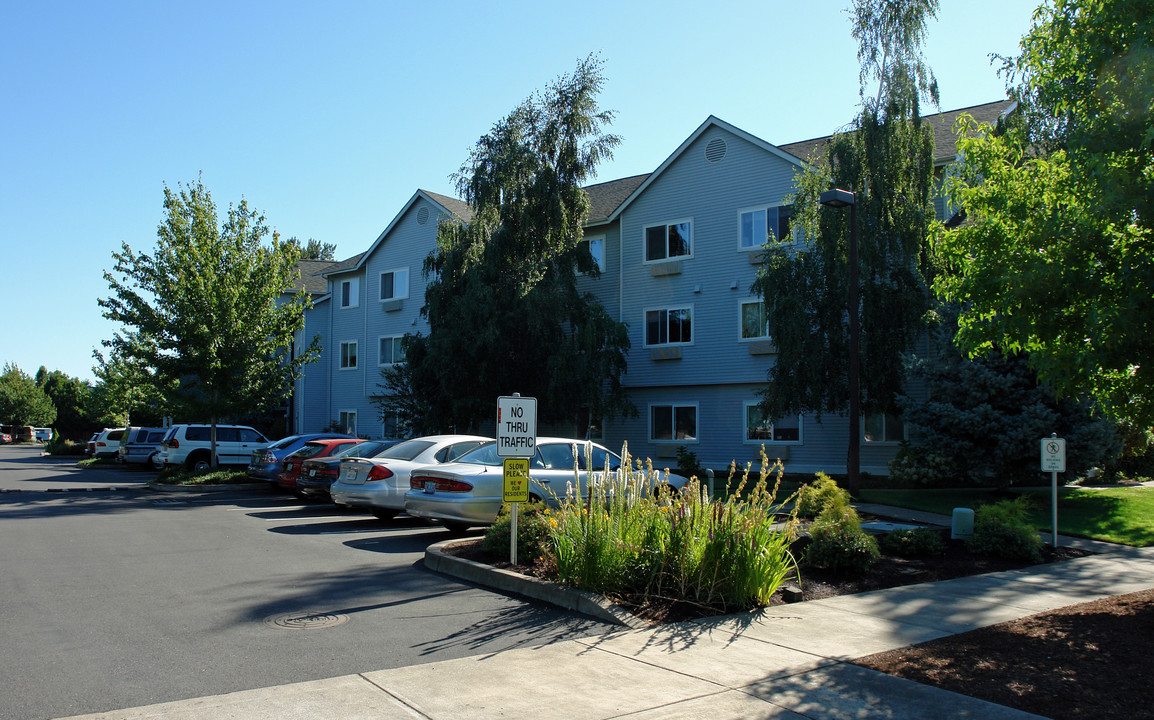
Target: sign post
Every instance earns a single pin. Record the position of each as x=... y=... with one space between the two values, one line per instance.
x=516 y=443
x=1054 y=462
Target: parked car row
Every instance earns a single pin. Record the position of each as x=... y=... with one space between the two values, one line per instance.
x=456 y=480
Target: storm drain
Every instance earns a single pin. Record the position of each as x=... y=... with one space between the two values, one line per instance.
x=306 y=620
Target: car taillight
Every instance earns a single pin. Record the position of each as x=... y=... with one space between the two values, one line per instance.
x=379 y=472
x=327 y=471
x=173 y=443
x=269 y=458
x=443 y=484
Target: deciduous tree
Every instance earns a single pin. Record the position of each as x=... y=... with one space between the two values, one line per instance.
x=210 y=315
x=1056 y=260
x=21 y=401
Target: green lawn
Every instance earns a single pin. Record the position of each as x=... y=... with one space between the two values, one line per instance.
x=1115 y=514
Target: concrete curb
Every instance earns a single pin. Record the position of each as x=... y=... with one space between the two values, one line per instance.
x=502 y=580
x=206 y=488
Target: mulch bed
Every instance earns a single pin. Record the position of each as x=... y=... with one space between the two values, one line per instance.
x=1079 y=662
x=1087 y=661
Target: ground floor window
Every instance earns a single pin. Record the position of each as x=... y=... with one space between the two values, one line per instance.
x=759 y=428
x=884 y=427
x=348 y=422
x=673 y=422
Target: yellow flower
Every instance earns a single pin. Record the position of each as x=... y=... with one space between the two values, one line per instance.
x=553 y=522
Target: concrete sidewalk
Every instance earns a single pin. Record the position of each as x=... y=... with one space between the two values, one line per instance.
x=787 y=661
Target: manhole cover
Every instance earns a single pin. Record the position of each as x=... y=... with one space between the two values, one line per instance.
x=307 y=620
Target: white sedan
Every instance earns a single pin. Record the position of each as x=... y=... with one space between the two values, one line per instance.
x=380 y=483
x=469 y=491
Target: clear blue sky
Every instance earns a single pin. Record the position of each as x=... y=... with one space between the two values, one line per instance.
x=327 y=117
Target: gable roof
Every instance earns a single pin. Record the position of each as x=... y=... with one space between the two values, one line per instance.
x=606 y=197
x=945 y=142
x=710 y=122
x=451 y=206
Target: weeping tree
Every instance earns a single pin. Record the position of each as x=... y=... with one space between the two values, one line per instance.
x=504 y=310
x=885 y=158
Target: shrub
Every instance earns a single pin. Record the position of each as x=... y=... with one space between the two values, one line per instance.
x=839 y=544
x=914 y=542
x=1002 y=529
x=921 y=467
x=813 y=498
x=65 y=447
x=532 y=533
x=687 y=464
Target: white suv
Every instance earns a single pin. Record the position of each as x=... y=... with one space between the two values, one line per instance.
x=190 y=445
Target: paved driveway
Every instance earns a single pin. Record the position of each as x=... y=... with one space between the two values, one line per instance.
x=122 y=598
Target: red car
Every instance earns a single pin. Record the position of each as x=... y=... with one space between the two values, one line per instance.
x=291 y=470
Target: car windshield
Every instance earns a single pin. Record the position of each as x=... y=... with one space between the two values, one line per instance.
x=406 y=450
x=352 y=449
x=484 y=455
x=308 y=450
x=284 y=442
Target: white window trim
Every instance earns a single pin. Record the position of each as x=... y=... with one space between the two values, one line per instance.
x=354 y=293
x=645 y=241
x=380 y=362
x=892 y=443
x=762 y=208
x=745 y=429
x=741 y=325
x=600 y=265
x=341 y=357
x=692 y=325
x=381 y=285
x=674 y=405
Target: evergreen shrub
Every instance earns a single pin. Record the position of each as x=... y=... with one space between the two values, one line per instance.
x=1003 y=529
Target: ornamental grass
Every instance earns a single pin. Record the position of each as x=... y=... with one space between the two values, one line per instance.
x=627 y=535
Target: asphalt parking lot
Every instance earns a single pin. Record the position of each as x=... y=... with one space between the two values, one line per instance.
x=122 y=597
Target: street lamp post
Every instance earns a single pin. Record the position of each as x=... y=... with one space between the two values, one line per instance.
x=839 y=199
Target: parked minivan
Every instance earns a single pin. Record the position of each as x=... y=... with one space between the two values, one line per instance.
x=189 y=445
x=42 y=435
x=141 y=445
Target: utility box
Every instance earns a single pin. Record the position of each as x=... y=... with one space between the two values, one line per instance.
x=963 y=525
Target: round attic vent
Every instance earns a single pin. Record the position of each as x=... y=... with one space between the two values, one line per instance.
x=715 y=150
x=423 y=216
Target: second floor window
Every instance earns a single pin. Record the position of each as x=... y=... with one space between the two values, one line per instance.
x=754 y=325
x=349 y=355
x=672 y=326
x=669 y=241
x=391 y=350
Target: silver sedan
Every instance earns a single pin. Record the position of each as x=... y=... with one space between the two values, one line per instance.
x=469 y=491
x=380 y=483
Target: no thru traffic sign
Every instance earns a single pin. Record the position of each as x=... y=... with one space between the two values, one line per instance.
x=516 y=426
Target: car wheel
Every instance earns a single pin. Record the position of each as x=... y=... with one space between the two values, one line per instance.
x=199 y=464
x=384 y=513
x=455 y=528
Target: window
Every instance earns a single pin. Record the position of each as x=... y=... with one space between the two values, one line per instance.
x=349 y=355
x=884 y=427
x=673 y=326
x=395 y=284
x=350 y=293
x=665 y=242
x=348 y=421
x=756 y=225
x=762 y=429
x=673 y=422
x=393 y=426
x=596 y=247
x=391 y=350
x=754 y=324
